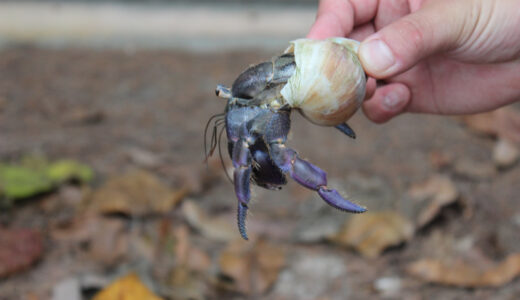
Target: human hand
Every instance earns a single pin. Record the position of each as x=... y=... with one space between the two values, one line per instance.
x=441 y=57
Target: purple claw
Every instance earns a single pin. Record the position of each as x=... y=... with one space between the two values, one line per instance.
x=334 y=199
x=308 y=174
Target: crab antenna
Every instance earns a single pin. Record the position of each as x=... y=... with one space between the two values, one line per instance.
x=223 y=92
x=205 y=134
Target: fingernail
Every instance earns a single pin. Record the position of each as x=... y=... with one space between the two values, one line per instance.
x=376 y=56
x=392 y=101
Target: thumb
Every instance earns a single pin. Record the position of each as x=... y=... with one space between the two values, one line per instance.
x=397 y=47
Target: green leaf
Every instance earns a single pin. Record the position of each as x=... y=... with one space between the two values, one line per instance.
x=35 y=175
x=21 y=182
x=67 y=169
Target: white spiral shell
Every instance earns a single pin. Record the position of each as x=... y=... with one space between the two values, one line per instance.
x=328 y=85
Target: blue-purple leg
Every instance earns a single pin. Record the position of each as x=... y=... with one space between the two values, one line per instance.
x=346 y=130
x=310 y=176
x=242 y=177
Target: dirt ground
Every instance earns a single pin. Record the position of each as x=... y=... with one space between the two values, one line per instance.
x=120 y=111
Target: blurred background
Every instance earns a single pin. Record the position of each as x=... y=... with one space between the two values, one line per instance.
x=104 y=193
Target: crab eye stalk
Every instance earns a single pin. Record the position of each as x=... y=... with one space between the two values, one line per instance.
x=328 y=84
x=222 y=92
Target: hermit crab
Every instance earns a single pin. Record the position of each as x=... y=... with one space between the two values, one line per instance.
x=324 y=81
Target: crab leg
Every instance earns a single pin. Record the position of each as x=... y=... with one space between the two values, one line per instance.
x=254 y=80
x=346 y=130
x=310 y=176
x=242 y=177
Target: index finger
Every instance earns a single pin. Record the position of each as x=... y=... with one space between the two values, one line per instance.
x=338 y=17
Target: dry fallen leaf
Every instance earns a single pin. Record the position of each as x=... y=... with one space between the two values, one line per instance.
x=128 y=287
x=136 y=193
x=476 y=170
x=466 y=275
x=19 y=249
x=503 y=122
x=436 y=192
x=214 y=228
x=187 y=255
x=108 y=238
x=484 y=123
x=109 y=242
x=186 y=274
x=372 y=232
x=251 y=267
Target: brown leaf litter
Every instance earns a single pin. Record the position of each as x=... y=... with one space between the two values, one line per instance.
x=211 y=227
x=136 y=193
x=250 y=268
x=372 y=232
x=463 y=274
x=432 y=194
x=503 y=124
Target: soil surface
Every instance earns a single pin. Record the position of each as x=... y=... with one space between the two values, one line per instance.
x=106 y=108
